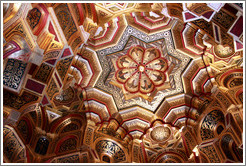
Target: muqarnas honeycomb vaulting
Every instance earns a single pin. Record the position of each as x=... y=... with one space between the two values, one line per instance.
x=122 y=82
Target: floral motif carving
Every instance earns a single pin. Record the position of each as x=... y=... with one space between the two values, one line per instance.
x=211 y=153
x=33 y=17
x=52 y=89
x=141 y=70
x=16 y=102
x=209 y=123
x=160 y=133
x=66 y=20
x=12 y=146
x=63 y=66
x=70 y=127
x=223 y=19
x=69 y=159
x=43 y=72
x=13 y=73
x=24 y=130
x=111 y=148
x=67 y=145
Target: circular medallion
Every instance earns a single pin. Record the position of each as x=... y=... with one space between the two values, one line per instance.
x=160 y=133
x=223 y=52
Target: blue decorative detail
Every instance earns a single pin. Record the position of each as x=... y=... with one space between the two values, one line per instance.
x=42 y=146
x=13 y=73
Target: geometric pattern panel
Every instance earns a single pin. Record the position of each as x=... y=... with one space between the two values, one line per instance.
x=63 y=67
x=13 y=73
x=43 y=73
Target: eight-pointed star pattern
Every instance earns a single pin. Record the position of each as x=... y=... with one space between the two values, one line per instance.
x=161 y=45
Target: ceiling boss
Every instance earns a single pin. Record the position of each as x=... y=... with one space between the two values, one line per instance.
x=141 y=72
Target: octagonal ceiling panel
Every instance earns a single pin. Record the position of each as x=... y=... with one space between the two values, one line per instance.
x=141 y=71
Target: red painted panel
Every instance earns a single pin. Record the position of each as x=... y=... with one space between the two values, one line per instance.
x=238 y=27
x=34 y=86
x=230 y=8
x=208 y=14
x=239 y=45
x=52 y=31
x=66 y=52
x=189 y=16
x=52 y=61
x=45 y=100
x=32 y=69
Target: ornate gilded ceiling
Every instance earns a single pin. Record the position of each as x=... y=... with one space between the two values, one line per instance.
x=152 y=66
x=122 y=82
